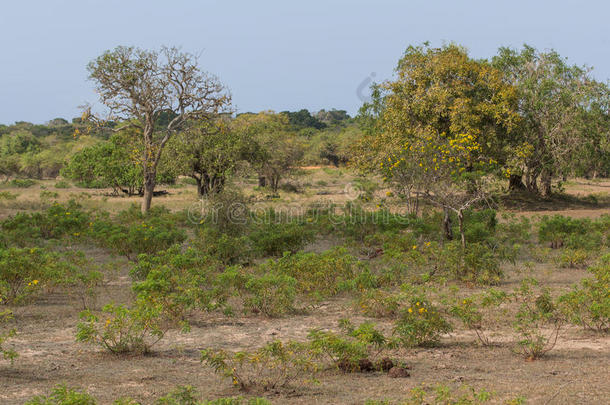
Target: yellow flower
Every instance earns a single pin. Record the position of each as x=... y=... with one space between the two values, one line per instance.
x=107 y=321
x=414 y=247
x=421 y=310
x=35 y=282
x=410 y=310
x=464 y=302
x=417 y=303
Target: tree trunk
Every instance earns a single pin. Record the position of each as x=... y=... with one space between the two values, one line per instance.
x=545 y=182
x=149 y=188
x=515 y=182
x=447 y=225
x=461 y=223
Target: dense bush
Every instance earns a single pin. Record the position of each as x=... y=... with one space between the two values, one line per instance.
x=148 y=236
x=320 y=276
x=575 y=233
x=54 y=223
x=478 y=263
x=178 y=281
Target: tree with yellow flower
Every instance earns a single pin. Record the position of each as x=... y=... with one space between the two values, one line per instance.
x=438 y=129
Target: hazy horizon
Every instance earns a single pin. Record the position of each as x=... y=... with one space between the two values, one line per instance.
x=275 y=55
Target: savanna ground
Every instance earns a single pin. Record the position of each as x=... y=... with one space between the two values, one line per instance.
x=576 y=371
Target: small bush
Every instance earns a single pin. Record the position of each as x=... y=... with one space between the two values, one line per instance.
x=271 y=367
x=22 y=183
x=62 y=395
x=477 y=263
x=421 y=323
x=23 y=273
x=470 y=311
x=187 y=395
x=62 y=184
x=537 y=313
x=588 y=304
x=352 y=349
x=5 y=335
x=122 y=329
x=272 y=238
x=8 y=196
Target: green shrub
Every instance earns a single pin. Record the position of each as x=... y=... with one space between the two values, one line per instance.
x=148 y=236
x=8 y=196
x=122 y=329
x=179 y=281
x=470 y=311
x=477 y=263
x=187 y=395
x=570 y=232
x=271 y=367
x=349 y=350
x=22 y=183
x=379 y=303
x=62 y=395
x=62 y=184
x=420 y=323
x=54 y=223
x=272 y=236
x=270 y=294
x=537 y=314
x=320 y=276
x=23 y=273
x=573 y=258
x=588 y=304
x=229 y=249
x=5 y=335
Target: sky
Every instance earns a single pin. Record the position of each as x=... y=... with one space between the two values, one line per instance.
x=272 y=55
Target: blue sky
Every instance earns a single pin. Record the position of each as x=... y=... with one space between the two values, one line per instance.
x=280 y=55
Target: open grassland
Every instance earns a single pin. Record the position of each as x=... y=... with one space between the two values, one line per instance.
x=370 y=273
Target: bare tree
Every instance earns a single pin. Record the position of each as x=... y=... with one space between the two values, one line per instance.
x=158 y=93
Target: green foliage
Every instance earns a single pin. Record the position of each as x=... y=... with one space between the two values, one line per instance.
x=62 y=395
x=574 y=233
x=477 y=263
x=5 y=335
x=62 y=184
x=348 y=350
x=588 y=304
x=8 y=196
x=271 y=367
x=147 y=236
x=187 y=395
x=23 y=273
x=22 y=183
x=320 y=276
x=537 y=313
x=178 y=281
x=470 y=311
x=275 y=238
x=54 y=223
x=421 y=323
x=124 y=330
x=271 y=294
x=114 y=163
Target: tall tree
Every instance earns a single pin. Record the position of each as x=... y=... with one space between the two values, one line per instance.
x=208 y=153
x=141 y=87
x=429 y=131
x=552 y=96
